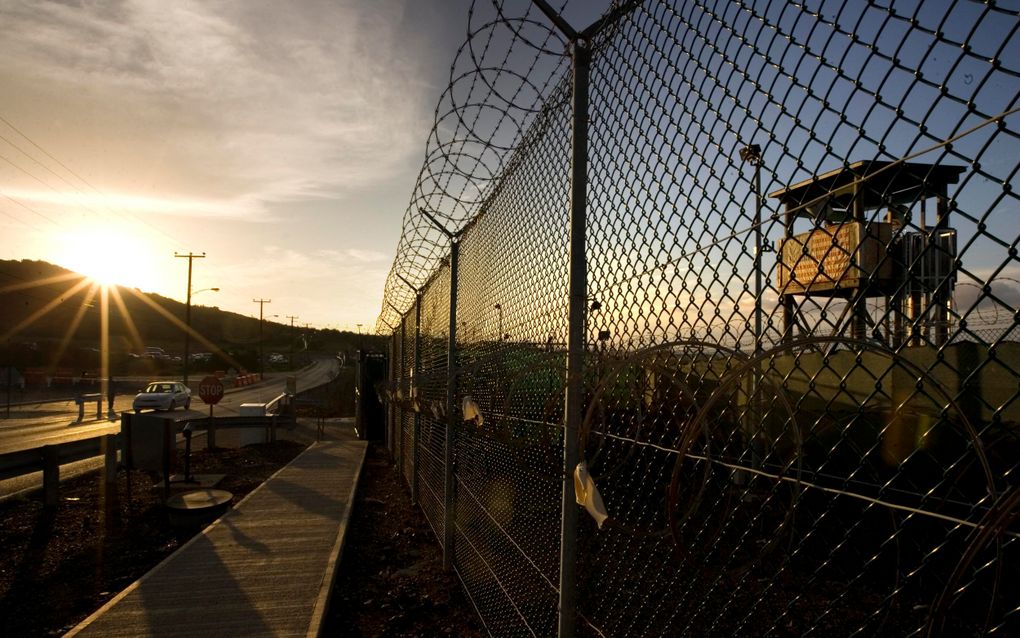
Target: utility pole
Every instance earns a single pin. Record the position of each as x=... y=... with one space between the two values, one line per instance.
x=187 y=316
x=262 y=364
x=292 y=318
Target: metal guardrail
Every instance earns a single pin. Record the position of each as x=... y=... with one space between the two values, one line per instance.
x=244 y=422
x=48 y=459
x=283 y=400
x=21 y=462
x=94 y=397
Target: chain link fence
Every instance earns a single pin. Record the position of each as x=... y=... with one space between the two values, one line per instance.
x=775 y=246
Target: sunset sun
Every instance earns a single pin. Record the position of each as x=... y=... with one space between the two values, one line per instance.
x=107 y=255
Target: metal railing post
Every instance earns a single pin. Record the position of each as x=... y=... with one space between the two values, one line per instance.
x=575 y=334
x=51 y=476
x=108 y=448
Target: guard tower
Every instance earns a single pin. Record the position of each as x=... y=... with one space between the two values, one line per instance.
x=850 y=250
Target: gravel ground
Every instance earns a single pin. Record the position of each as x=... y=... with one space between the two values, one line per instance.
x=391 y=580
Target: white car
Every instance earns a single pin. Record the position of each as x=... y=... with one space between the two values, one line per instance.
x=163 y=395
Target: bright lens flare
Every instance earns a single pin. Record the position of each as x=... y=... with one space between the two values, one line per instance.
x=108 y=255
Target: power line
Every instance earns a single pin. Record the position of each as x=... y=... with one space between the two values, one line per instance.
x=29 y=208
x=76 y=175
x=42 y=181
x=27 y=172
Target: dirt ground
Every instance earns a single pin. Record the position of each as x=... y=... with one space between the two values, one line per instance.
x=59 y=566
x=391 y=580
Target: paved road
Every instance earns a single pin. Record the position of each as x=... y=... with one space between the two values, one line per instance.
x=33 y=426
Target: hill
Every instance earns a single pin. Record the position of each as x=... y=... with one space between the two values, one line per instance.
x=50 y=316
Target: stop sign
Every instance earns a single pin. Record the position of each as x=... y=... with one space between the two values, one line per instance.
x=211 y=390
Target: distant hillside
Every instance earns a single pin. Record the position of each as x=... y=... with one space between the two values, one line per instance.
x=41 y=302
x=20 y=300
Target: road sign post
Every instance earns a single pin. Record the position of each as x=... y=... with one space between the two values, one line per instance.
x=210 y=390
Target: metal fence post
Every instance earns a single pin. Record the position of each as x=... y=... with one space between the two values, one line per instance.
x=390 y=409
x=400 y=420
x=449 y=486
x=415 y=386
x=575 y=334
x=449 y=505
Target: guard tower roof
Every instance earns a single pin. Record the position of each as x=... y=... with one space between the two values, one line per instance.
x=876 y=183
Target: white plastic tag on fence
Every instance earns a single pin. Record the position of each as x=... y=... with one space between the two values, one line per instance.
x=588 y=495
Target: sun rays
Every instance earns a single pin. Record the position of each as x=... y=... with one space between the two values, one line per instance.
x=90 y=294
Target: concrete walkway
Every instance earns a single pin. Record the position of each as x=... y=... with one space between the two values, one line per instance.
x=266 y=568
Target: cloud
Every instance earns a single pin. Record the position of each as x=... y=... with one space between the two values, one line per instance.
x=355 y=254
x=367 y=255
x=327 y=290
x=232 y=107
x=241 y=207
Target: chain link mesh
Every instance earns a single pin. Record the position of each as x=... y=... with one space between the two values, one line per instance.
x=435 y=320
x=802 y=364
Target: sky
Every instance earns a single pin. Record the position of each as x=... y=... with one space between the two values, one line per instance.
x=281 y=139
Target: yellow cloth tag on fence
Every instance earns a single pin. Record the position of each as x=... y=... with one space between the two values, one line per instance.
x=472 y=412
x=588 y=495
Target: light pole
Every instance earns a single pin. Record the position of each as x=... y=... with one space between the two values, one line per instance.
x=187 y=312
x=752 y=155
x=262 y=365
